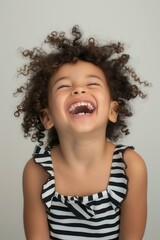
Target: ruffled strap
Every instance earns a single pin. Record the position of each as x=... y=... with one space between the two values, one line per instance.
x=80 y=209
x=118 y=182
x=43 y=157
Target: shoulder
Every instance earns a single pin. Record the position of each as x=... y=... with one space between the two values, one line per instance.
x=33 y=169
x=35 y=219
x=135 y=164
x=136 y=172
x=33 y=175
x=134 y=206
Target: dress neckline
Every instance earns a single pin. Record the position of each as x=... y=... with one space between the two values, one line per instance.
x=115 y=190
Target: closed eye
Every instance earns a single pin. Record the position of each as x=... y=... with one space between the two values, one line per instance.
x=93 y=84
x=63 y=86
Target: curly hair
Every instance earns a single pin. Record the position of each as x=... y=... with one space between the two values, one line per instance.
x=110 y=58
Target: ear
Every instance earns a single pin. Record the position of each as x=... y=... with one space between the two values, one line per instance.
x=113 y=111
x=46 y=119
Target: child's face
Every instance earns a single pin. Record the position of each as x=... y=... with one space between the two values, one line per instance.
x=79 y=100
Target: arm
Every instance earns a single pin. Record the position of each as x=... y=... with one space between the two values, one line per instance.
x=35 y=219
x=134 y=207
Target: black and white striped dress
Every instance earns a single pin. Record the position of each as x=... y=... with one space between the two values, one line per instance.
x=90 y=217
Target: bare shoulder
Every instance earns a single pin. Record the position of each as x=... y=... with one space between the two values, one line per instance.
x=34 y=176
x=134 y=206
x=135 y=164
x=35 y=219
x=33 y=171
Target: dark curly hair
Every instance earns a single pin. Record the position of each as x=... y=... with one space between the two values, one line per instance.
x=110 y=58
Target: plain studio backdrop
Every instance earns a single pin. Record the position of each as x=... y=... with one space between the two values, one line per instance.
x=26 y=24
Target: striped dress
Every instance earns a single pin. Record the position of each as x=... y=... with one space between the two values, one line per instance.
x=96 y=216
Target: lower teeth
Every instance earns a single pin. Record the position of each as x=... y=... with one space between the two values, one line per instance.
x=81 y=113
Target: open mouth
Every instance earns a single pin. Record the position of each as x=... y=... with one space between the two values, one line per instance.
x=81 y=108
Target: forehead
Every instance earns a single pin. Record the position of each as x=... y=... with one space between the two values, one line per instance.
x=78 y=69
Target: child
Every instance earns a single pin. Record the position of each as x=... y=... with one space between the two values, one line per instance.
x=81 y=185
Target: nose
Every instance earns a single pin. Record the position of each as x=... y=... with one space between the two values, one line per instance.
x=78 y=90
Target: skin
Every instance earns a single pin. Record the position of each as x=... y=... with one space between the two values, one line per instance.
x=134 y=207
x=35 y=219
x=84 y=157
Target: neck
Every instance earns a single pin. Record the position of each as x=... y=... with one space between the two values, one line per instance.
x=82 y=151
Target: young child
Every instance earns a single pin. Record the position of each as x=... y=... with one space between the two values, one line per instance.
x=81 y=185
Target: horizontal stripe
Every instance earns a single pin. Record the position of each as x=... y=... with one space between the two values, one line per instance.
x=96 y=216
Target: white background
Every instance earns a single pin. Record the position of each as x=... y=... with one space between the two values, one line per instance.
x=25 y=24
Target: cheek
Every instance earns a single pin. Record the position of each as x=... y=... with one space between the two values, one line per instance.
x=57 y=107
x=105 y=103
x=104 y=98
x=58 y=102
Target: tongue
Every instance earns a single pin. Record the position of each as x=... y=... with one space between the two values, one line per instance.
x=81 y=109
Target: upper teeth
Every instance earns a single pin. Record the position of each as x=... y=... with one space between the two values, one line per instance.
x=77 y=104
